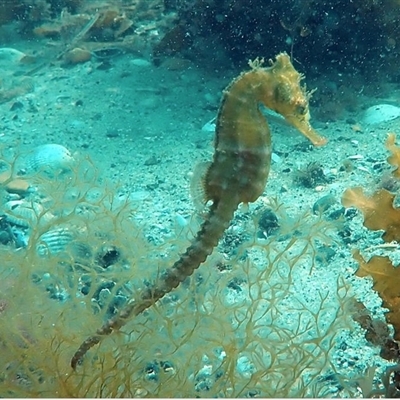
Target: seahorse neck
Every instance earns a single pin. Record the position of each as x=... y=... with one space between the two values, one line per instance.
x=242 y=98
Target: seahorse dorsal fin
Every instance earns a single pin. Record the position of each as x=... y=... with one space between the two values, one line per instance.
x=198 y=185
x=256 y=63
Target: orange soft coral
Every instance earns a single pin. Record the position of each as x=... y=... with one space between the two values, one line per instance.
x=386 y=282
x=394 y=159
x=380 y=213
x=378 y=210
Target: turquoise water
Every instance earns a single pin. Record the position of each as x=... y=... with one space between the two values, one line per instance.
x=106 y=110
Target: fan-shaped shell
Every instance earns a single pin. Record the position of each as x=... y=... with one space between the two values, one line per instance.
x=48 y=158
x=26 y=213
x=54 y=241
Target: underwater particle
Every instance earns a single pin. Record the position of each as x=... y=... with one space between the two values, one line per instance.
x=268 y=223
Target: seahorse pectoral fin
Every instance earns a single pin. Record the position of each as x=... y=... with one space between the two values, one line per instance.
x=198 y=185
x=304 y=126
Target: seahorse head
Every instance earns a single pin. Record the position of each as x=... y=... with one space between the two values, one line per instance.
x=290 y=98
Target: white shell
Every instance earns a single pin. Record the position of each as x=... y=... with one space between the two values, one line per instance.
x=209 y=127
x=54 y=241
x=26 y=213
x=140 y=62
x=380 y=113
x=47 y=158
x=10 y=58
x=10 y=54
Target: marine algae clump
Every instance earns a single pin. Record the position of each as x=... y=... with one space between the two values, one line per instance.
x=242 y=326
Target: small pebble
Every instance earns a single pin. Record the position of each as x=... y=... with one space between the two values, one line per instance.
x=140 y=62
x=323 y=204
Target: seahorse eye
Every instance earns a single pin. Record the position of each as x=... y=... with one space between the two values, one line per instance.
x=301 y=110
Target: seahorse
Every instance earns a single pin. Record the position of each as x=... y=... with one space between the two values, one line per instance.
x=237 y=174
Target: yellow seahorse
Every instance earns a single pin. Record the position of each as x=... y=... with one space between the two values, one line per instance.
x=237 y=174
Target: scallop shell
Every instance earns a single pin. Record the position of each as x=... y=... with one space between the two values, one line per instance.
x=54 y=241
x=380 y=113
x=10 y=54
x=48 y=158
x=26 y=213
x=11 y=58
